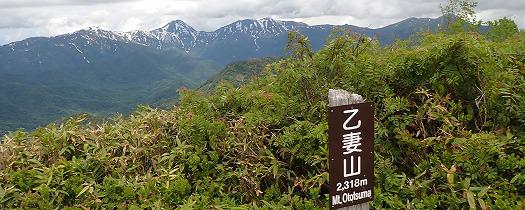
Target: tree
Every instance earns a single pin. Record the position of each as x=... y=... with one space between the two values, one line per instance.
x=462 y=9
x=502 y=29
x=460 y=16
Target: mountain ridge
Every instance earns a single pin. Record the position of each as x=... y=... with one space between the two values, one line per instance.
x=180 y=29
x=242 y=39
x=100 y=71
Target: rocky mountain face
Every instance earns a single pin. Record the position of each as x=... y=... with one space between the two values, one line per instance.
x=240 y=40
x=249 y=38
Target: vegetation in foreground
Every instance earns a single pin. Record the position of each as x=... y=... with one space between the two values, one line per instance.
x=450 y=134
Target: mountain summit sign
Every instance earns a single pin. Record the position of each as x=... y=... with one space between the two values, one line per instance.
x=351 y=144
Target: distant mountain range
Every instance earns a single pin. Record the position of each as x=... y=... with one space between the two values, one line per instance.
x=99 y=71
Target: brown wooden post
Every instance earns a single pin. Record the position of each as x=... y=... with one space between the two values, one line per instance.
x=339 y=98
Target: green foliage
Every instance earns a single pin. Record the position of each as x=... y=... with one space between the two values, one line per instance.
x=461 y=9
x=238 y=73
x=449 y=135
x=460 y=16
x=502 y=29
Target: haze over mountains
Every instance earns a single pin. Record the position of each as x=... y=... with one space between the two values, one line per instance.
x=98 y=71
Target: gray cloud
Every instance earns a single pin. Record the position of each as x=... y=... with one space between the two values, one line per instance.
x=23 y=18
x=49 y=3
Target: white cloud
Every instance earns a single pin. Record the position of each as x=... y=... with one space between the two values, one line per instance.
x=131 y=24
x=53 y=17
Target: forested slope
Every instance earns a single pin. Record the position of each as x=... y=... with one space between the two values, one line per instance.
x=238 y=73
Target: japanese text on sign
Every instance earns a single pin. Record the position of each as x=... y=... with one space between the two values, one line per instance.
x=351 y=135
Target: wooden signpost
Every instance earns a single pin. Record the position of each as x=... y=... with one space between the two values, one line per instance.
x=351 y=147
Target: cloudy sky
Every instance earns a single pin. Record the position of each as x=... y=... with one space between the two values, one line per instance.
x=20 y=19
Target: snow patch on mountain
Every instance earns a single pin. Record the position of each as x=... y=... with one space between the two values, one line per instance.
x=180 y=35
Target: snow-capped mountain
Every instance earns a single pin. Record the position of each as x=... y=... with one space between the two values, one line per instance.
x=101 y=71
x=254 y=28
x=178 y=34
x=236 y=41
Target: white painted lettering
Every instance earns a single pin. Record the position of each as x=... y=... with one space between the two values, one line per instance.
x=345 y=124
x=353 y=172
